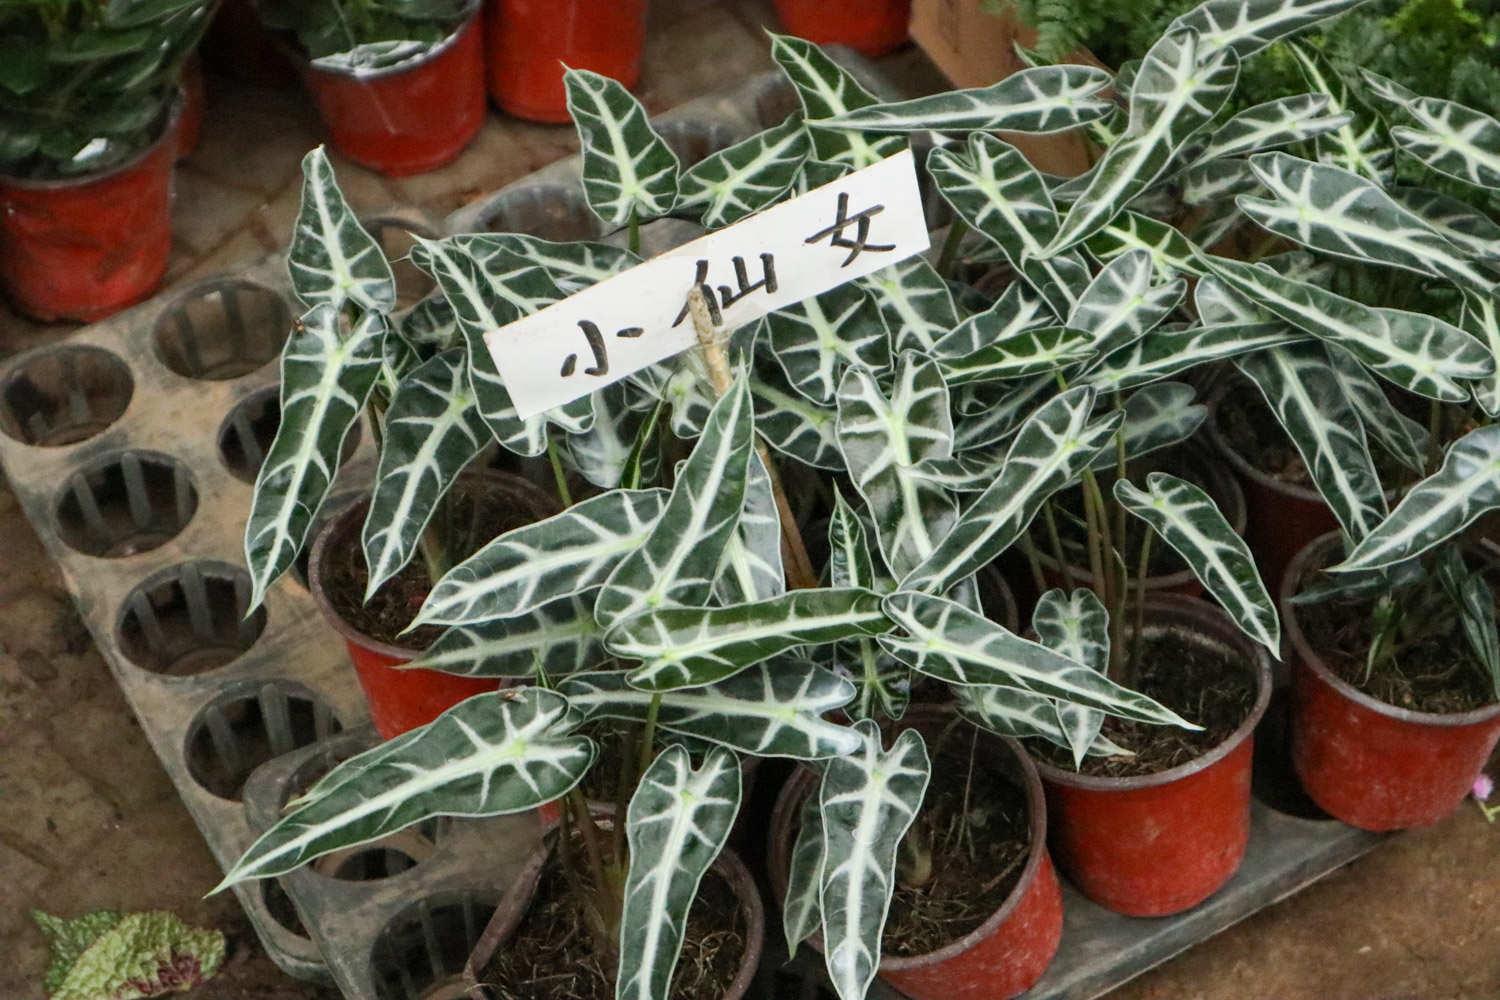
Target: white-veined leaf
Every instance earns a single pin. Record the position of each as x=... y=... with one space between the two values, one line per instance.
x=1247 y=26
x=1075 y=625
x=1156 y=416
x=991 y=413
x=678 y=822
x=1401 y=436
x=793 y=425
x=326 y=376
x=628 y=170
x=773 y=709
x=1481 y=318
x=1037 y=351
x=752 y=569
x=490 y=755
x=801 y=914
x=1456 y=221
x=1452 y=139
x=556 y=639
x=883 y=683
x=533 y=565
x=1121 y=305
x=734 y=183
x=816 y=339
x=332 y=260
x=1037 y=100
x=826 y=90
x=1017 y=310
x=1475 y=601
x=1212 y=187
x=867 y=801
x=601 y=453
x=915 y=303
x=1171 y=252
x=1265 y=126
x=1010 y=711
x=1361 y=145
x=574 y=266
x=1165 y=352
x=1191 y=523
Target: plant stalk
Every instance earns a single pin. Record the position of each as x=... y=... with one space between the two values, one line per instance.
x=559 y=475
x=634 y=233
x=1054 y=540
x=957 y=230
x=1140 y=609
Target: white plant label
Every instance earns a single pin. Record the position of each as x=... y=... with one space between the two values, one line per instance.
x=864 y=221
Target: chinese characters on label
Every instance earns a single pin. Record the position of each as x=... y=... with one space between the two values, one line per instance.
x=849 y=228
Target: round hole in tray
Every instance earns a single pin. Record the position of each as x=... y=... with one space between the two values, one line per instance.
x=246 y=434
x=125 y=502
x=64 y=395
x=189 y=619
x=548 y=211
x=249 y=725
x=696 y=139
x=427 y=944
x=396 y=238
x=222 y=329
x=279 y=905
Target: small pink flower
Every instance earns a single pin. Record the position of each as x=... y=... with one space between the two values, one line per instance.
x=1484 y=787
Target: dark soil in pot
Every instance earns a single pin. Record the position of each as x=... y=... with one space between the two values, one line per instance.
x=1209 y=685
x=551 y=955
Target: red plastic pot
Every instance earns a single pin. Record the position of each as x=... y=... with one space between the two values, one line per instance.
x=530 y=41
x=1367 y=763
x=190 y=127
x=1007 y=954
x=1156 y=844
x=400 y=700
x=872 y=27
x=410 y=118
x=83 y=248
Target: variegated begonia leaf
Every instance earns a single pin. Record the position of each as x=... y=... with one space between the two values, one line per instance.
x=1337 y=212
x=773 y=709
x=752 y=567
x=1413 y=350
x=1010 y=711
x=574 y=266
x=1452 y=139
x=945 y=640
x=816 y=339
x=1190 y=522
x=326 y=376
x=734 y=183
x=1053 y=447
x=1037 y=100
x=690 y=647
x=1281 y=122
x=1403 y=438
x=678 y=560
x=884 y=440
x=1038 y=351
x=1309 y=401
x=1178 y=90
x=490 y=755
x=431 y=432
x=1075 y=625
x=1156 y=416
x=826 y=90
x=1247 y=26
x=531 y=566
x=801 y=914
x=629 y=172
x=867 y=801
x=1165 y=352
x=677 y=823
x=793 y=425
x=332 y=260
x=882 y=682
x=1017 y=310
x=556 y=639
x=1122 y=304
x=107 y=955
x=915 y=303
x=1455 y=221
x=1466 y=486
x=1361 y=146
x=1475 y=602
x=998 y=193
x=1171 y=252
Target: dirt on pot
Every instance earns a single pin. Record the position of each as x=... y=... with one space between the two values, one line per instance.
x=552 y=956
x=1208 y=685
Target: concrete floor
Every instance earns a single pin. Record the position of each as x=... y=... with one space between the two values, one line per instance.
x=88 y=819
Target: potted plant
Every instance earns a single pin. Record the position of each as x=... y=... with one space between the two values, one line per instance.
x=529 y=43
x=871 y=27
x=400 y=86
x=89 y=100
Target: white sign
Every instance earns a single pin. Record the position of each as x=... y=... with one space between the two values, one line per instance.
x=858 y=224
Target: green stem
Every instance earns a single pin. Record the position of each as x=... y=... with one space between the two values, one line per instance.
x=1140 y=610
x=1434 y=435
x=648 y=734
x=1038 y=578
x=559 y=476
x=957 y=230
x=635 y=233
x=1102 y=538
x=1055 y=541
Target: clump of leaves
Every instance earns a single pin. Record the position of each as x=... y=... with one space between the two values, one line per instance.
x=365 y=34
x=106 y=955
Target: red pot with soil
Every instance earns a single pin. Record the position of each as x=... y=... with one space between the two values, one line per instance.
x=485 y=505
x=1361 y=758
x=412 y=117
x=1161 y=832
x=1168 y=574
x=82 y=248
x=530 y=41
x=871 y=27
x=537 y=928
x=1007 y=886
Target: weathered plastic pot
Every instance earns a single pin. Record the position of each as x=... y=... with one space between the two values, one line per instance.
x=1156 y=844
x=400 y=700
x=871 y=27
x=1003 y=957
x=518 y=898
x=190 y=127
x=409 y=118
x=530 y=41
x=1367 y=763
x=84 y=248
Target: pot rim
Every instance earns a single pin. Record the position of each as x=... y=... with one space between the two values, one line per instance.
x=1189 y=611
x=516 y=901
x=299 y=56
x=800 y=784
x=1238 y=517
x=168 y=131
x=357 y=508
x=1307 y=657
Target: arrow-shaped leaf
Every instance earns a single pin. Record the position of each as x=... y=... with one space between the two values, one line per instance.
x=1156 y=416
x=827 y=90
x=556 y=639
x=574 y=266
x=1361 y=145
x=1401 y=436
x=1265 y=126
x=793 y=425
x=1010 y=711
x=752 y=568
x=816 y=339
x=1121 y=305
x=801 y=914
x=1452 y=139
x=1165 y=352
x=332 y=260
x=1039 y=351
x=915 y=303
x=1247 y=26
x=1171 y=252
x=1017 y=310
x=734 y=183
x=1454 y=220
x=1075 y=625
x=628 y=170
x=1038 y=100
